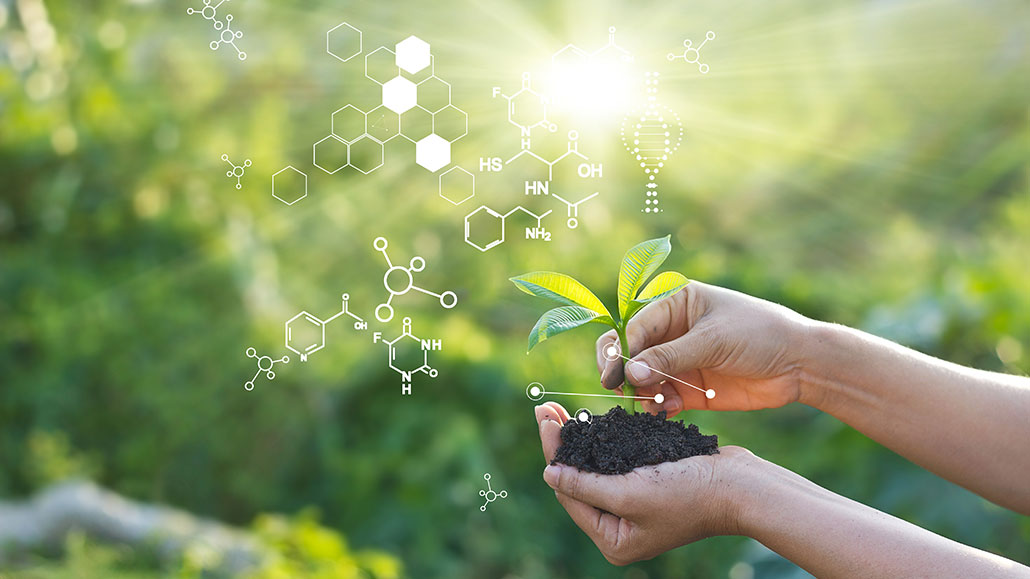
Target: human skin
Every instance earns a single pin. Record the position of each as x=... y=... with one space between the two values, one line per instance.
x=756 y=354
x=645 y=512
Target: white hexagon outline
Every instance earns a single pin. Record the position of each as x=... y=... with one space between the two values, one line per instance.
x=373 y=53
x=412 y=76
x=295 y=170
x=377 y=139
x=463 y=114
x=332 y=122
x=314 y=153
x=493 y=243
x=314 y=347
x=337 y=56
x=382 y=154
x=412 y=40
x=401 y=123
x=451 y=170
x=428 y=138
x=445 y=83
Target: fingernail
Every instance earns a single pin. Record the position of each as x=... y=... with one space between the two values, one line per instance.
x=639 y=371
x=551 y=474
x=673 y=405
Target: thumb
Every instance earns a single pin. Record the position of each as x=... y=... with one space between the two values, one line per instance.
x=606 y=492
x=690 y=351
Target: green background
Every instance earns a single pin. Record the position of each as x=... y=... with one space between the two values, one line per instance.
x=860 y=162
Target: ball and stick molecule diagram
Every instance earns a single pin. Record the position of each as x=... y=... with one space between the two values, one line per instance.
x=692 y=55
x=226 y=35
x=399 y=280
x=236 y=171
x=489 y=494
x=264 y=364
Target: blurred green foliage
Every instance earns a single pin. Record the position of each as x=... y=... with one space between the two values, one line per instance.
x=861 y=162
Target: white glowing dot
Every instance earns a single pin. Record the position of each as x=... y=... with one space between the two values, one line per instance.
x=583 y=416
x=534 y=391
x=611 y=351
x=710 y=393
x=659 y=398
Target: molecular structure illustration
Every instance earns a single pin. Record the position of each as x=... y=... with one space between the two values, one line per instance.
x=226 y=35
x=406 y=372
x=529 y=110
x=490 y=225
x=489 y=494
x=416 y=106
x=236 y=171
x=384 y=311
x=264 y=364
x=692 y=55
x=651 y=136
x=310 y=335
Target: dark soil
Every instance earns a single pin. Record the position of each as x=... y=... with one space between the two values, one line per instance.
x=617 y=442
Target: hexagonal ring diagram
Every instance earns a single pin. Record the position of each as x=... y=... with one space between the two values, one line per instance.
x=343 y=41
x=289 y=185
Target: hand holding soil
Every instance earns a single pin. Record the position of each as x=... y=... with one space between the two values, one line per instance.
x=648 y=510
x=750 y=351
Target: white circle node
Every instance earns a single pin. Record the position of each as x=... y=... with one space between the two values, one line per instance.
x=659 y=398
x=611 y=352
x=709 y=393
x=535 y=391
x=379 y=244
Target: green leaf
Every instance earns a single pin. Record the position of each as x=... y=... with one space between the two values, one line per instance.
x=639 y=263
x=560 y=288
x=562 y=319
x=662 y=286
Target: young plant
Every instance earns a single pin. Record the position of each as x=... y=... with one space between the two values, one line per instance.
x=583 y=307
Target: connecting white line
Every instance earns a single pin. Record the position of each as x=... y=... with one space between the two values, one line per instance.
x=602 y=395
x=612 y=353
x=536 y=391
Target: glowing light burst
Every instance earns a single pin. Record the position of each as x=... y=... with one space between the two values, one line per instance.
x=594 y=86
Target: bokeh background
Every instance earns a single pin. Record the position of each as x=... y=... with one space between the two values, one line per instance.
x=860 y=162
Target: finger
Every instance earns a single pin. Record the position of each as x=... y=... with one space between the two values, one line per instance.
x=662 y=320
x=671 y=401
x=611 y=369
x=601 y=527
x=550 y=438
x=656 y=363
x=608 y=492
x=551 y=411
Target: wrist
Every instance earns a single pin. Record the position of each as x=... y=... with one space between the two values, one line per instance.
x=742 y=481
x=819 y=354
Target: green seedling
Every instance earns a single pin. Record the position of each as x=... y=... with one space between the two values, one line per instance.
x=582 y=307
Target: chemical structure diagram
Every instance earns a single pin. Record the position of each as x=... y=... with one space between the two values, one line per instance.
x=384 y=311
x=489 y=494
x=264 y=364
x=226 y=35
x=493 y=224
x=310 y=335
x=416 y=105
x=305 y=332
x=692 y=55
x=406 y=371
x=651 y=136
x=236 y=171
x=529 y=110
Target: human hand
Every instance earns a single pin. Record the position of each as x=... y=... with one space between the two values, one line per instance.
x=749 y=351
x=649 y=510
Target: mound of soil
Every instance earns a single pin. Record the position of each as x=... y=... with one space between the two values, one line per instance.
x=617 y=442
